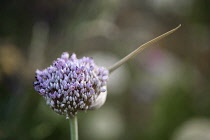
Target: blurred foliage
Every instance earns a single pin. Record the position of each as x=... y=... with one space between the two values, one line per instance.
x=156 y=95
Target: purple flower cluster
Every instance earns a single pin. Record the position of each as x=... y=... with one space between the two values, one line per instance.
x=70 y=84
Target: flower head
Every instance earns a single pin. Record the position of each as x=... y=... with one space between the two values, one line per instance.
x=71 y=85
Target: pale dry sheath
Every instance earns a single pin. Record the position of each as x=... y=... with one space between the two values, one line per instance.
x=71 y=85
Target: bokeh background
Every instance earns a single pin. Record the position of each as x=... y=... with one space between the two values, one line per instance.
x=161 y=94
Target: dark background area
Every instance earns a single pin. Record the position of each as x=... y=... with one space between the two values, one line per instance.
x=161 y=94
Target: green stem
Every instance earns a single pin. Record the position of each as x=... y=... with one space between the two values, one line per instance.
x=73 y=128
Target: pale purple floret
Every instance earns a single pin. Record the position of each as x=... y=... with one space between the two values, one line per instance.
x=71 y=84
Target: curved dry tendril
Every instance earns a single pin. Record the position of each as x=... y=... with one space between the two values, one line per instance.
x=139 y=49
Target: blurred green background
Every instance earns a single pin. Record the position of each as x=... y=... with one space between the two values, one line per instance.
x=162 y=94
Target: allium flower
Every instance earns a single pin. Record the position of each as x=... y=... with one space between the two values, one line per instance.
x=71 y=85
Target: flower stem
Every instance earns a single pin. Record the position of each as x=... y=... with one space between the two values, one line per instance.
x=139 y=49
x=73 y=128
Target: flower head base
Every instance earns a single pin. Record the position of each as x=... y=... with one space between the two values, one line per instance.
x=70 y=84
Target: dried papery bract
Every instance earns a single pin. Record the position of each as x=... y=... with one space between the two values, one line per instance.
x=139 y=49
